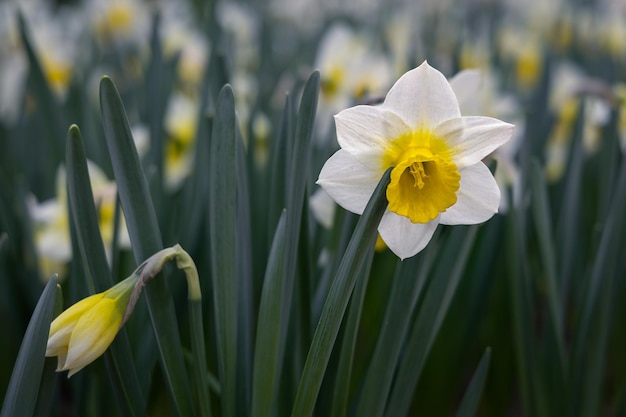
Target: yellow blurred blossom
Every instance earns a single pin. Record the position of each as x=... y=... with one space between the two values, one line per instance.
x=119 y=21
x=181 y=121
x=523 y=49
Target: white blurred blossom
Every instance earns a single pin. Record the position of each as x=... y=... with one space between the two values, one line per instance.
x=181 y=121
x=51 y=221
x=350 y=71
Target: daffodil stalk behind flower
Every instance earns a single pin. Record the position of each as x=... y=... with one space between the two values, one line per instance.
x=438 y=176
x=84 y=331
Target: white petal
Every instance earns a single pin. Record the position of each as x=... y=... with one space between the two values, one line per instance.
x=477 y=198
x=473 y=138
x=466 y=85
x=323 y=208
x=97 y=176
x=366 y=131
x=58 y=341
x=403 y=237
x=423 y=98
x=348 y=182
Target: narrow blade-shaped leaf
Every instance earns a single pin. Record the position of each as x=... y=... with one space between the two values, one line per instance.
x=21 y=395
x=341 y=390
x=362 y=241
x=568 y=228
x=593 y=336
x=433 y=311
x=244 y=275
x=146 y=240
x=278 y=167
x=199 y=356
x=470 y=401
x=93 y=256
x=543 y=223
x=265 y=377
x=297 y=169
x=222 y=234
x=405 y=291
x=522 y=316
x=47 y=389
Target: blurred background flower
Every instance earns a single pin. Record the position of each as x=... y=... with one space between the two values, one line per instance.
x=52 y=227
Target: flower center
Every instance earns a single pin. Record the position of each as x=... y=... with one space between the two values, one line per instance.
x=419 y=174
x=424 y=180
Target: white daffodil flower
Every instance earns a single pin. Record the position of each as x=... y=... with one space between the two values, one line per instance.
x=436 y=154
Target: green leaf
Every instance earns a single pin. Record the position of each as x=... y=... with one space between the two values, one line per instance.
x=85 y=219
x=620 y=408
x=530 y=381
x=303 y=288
x=278 y=167
x=222 y=233
x=199 y=355
x=405 y=292
x=84 y=214
x=591 y=343
x=348 y=345
x=146 y=240
x=433 y=310
x=543 y=227
x=196 y=189
x=47 y=389
x=362 y=241
x=266 y=352
x=297 y=178
x=336 y=247
x=469 y=404
x=21 y=395
x=243 y=273
x=568 y=229
x=131 y=181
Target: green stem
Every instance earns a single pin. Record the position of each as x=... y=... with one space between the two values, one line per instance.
x=148 y=270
